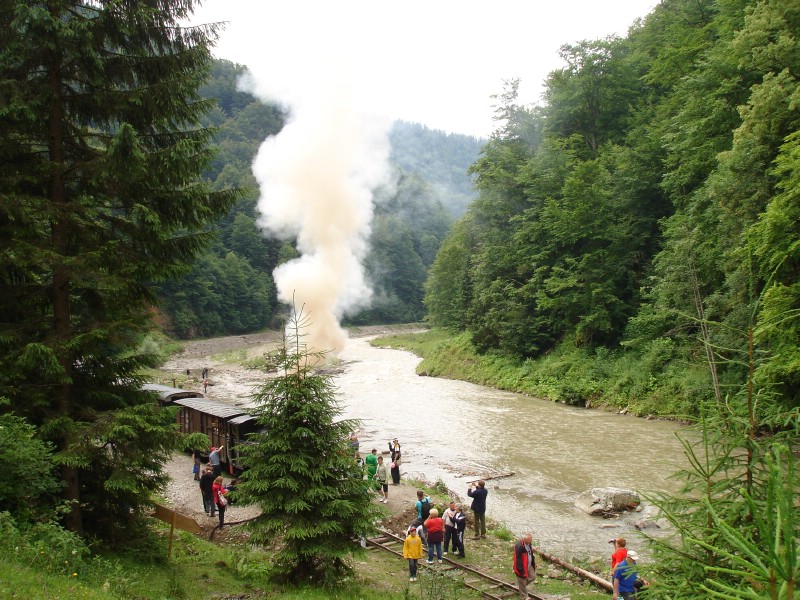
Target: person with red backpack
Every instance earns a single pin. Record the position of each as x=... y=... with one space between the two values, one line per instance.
x=524 y=565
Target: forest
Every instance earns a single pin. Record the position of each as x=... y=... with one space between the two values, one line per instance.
x=640 y=226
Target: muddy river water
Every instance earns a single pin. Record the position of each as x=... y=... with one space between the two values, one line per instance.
x=454 y=430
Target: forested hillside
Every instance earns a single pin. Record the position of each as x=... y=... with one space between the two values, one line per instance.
x=230 y=288
x=442 y=159
x=641 y=225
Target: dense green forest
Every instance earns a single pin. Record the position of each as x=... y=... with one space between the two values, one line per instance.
x=230 y=288
x=642 y=223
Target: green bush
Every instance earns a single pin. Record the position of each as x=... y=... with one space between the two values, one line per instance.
x=28 y=473
x=46 y=546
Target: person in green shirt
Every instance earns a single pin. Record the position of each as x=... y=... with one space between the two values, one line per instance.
x=372 y=465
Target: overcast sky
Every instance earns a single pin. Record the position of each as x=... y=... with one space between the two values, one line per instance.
x=436 y=62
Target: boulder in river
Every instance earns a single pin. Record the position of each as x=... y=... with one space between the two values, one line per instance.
x=601 y=501
x=646 y=524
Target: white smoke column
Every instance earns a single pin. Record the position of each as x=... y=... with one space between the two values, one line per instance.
x=316 y=179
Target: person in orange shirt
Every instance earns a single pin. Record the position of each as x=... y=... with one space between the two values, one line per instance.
x=412 y=551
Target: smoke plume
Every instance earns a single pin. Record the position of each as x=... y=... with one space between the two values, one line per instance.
x=316 y=179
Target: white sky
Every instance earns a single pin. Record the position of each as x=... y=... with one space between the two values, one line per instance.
x=435 y=62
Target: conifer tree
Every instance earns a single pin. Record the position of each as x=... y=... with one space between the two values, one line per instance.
x=302 y=473
x=734 y=519
x=99 y=162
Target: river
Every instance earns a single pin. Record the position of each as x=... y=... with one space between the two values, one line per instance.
x=452 y=429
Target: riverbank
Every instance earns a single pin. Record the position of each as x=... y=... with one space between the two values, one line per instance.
x=568 y=375
x=236 y=363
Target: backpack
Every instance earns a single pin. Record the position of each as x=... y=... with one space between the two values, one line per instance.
x=426 y=508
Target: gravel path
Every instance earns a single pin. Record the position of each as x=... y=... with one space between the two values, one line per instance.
x=183 y=495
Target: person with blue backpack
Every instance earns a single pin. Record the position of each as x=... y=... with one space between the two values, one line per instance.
x=423 y=506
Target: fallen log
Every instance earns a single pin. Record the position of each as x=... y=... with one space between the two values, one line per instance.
x=489 y=477
x=595 y=579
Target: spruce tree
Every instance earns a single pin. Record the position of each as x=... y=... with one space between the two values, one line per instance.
x=302 y=472
x=99 y=198
x=736 y=530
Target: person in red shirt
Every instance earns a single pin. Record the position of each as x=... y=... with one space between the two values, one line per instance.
x=435 y=527
x=620 y=552
x=219 y=492
x=524 y=564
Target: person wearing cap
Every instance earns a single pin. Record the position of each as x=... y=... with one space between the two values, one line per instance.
x=524 y=564
x=412 y=551
x=625 y=578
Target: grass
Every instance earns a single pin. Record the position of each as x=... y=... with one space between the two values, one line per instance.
x=202 y=570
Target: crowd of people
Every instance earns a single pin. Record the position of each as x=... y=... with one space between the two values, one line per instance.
x=431 y=530
x=375 y=468
x=439 y=534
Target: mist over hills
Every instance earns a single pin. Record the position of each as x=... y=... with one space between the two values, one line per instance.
x=438 y=157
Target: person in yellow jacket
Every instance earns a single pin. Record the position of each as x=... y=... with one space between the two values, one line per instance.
x=412 y=550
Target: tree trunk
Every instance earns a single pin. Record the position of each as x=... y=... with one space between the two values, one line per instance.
x=595 y=579
x=61 y=284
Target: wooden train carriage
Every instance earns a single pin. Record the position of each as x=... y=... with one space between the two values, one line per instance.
x=167 y=394
x=224 y=424
x=241 y=427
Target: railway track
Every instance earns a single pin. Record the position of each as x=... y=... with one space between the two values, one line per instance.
x=486 y=585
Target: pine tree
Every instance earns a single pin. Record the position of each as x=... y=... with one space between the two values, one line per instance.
x=736 y=531
x=302 y=473
x=99 y=159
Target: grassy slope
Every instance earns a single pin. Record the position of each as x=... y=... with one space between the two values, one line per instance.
x=199 y=569
x=645 y=384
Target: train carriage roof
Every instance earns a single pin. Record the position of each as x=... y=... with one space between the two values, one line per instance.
x=242 y=419
x=167 y=393
x=212 y=407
